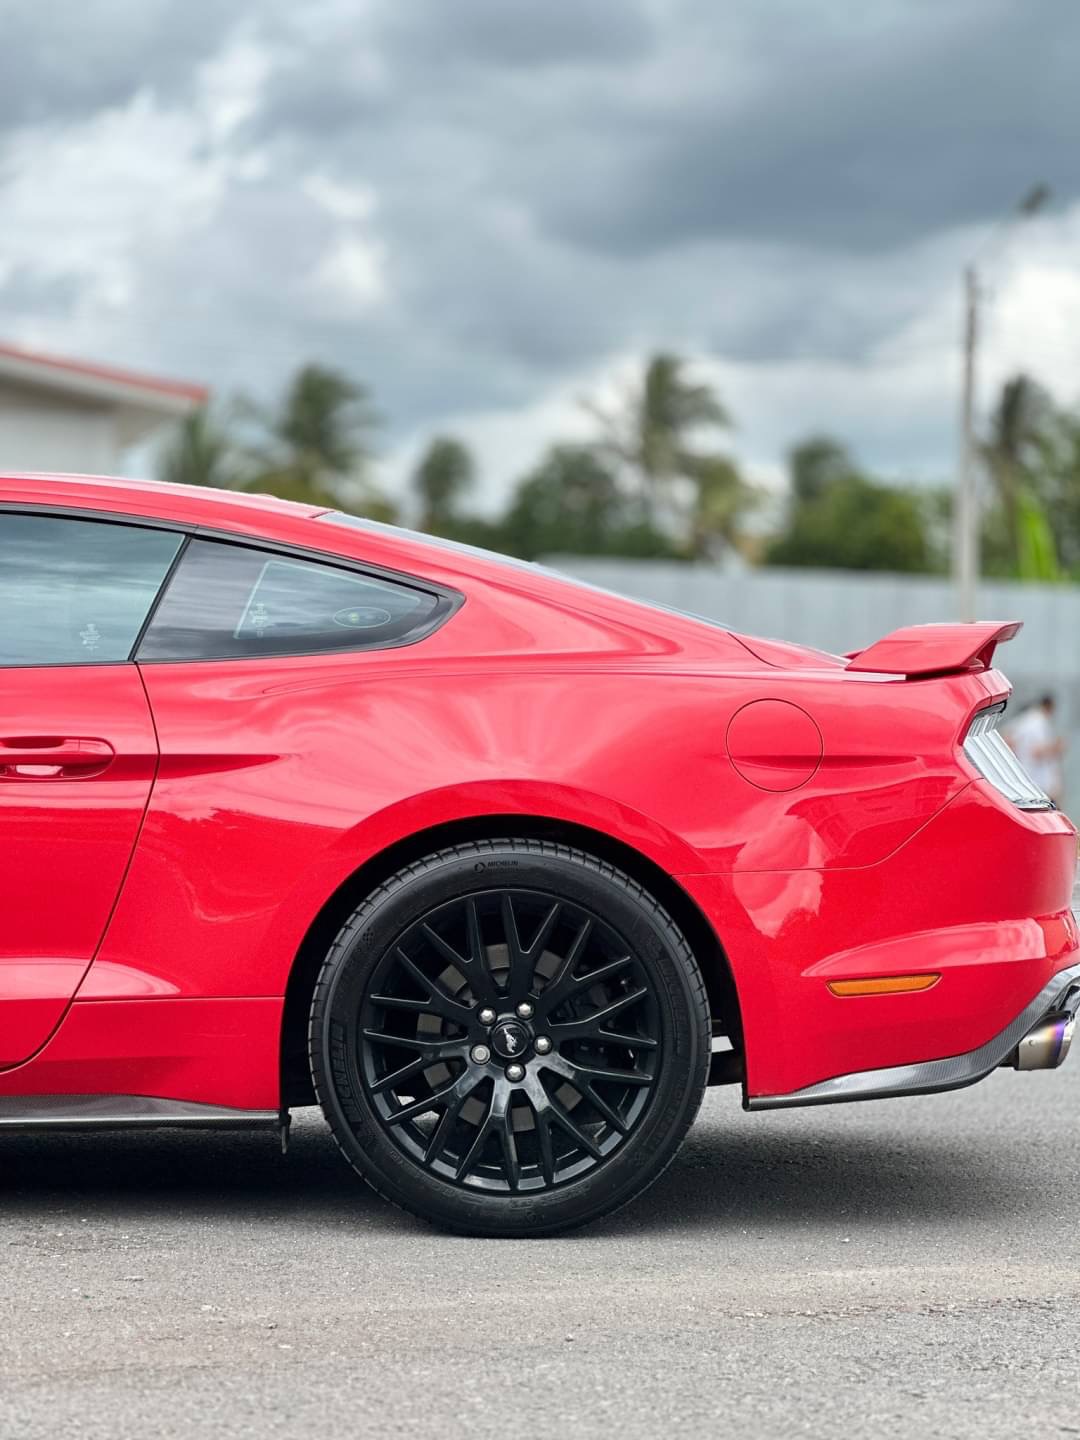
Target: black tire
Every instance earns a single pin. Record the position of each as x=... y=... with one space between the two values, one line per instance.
x=401 y=1018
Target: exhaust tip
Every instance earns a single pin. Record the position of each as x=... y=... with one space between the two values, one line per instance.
x=1046 y=1046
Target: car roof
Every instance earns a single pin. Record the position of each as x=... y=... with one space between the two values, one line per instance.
x=144 y=496
x=248 y=513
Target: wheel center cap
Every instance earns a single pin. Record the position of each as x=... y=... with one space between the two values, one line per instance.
x=509 y=1040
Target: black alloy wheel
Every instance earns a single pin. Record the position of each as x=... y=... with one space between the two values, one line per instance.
x=510 y=1038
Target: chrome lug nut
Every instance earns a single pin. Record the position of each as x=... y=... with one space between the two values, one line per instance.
x=487 y=1017
x=515 y=1072
x=480 y=1054
x=525 y=1010
x=542 y=1045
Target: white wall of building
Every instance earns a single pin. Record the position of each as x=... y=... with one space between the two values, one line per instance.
x=42 y=432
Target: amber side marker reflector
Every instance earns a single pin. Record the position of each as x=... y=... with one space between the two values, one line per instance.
x=884 y=985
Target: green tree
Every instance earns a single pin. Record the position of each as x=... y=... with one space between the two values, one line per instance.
x=650 y=434
x=815 y=464
x=1036 y=551
x=200 y=452
x=317 y=446
x=1017 y=454
x=722 y=500
x=1060 y=490
x=572 y=504
x=444 y=475
x=842 y=519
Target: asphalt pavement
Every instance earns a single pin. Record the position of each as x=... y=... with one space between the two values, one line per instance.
x=905 y=1267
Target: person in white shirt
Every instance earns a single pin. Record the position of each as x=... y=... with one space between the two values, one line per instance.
x=1038 y=747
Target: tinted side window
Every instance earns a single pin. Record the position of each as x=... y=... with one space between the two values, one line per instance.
x=76 y=592
x=227 y=600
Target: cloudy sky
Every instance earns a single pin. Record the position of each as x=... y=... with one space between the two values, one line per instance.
x=489 y=208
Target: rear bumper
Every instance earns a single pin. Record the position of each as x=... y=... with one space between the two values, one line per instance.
x=979 y=897
x=1059 y=997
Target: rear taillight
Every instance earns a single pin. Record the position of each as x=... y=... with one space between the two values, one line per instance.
x=985 y=747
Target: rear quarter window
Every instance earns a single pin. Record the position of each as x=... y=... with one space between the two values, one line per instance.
x=233 y=601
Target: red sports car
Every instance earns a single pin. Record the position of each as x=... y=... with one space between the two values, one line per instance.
x=500 y=869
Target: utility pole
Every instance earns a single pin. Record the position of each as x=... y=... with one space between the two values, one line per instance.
x=966 y=518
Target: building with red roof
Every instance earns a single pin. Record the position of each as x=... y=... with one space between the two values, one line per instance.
x=68 y=415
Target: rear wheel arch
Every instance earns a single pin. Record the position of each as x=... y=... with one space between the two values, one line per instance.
x=296 y=1085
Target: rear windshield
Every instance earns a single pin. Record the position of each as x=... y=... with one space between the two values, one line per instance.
x=378 y=527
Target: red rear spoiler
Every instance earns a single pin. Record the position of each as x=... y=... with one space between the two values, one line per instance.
x=935 y=649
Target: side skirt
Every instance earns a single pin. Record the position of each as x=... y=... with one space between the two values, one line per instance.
x=123 y=1112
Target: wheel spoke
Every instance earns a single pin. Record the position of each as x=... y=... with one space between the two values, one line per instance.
x=632 y=1042
x=553 y=989
x=477 y=952
x=395 y=1077
x=519 y=979
x=441 y=1133
x=466 y=1163
x=617 y=1077
x=556 y=993
x=420 y=1107
x=502 y=1119
x=610 y=1114
x=561 y=1117
x=458 y=1014
x=590 y=1024
x=543 y=932
x=440 y=1002
x=543 y=1138
x=445 y=949
x=432 y=1050
x=465 y=1086
x=602 y=972
x=400 y=1002
x=474 y=965
x=483 y=1130
x=433 y=987
x=523 y=958
x=581 y=1077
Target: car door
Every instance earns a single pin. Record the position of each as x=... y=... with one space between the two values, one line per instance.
x=77 y=749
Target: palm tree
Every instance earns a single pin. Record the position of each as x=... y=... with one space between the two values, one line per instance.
x=815 y=464
x=650 y=434
x=1018 y=431
x=200 y=452
x=1037 y=551
x=723 y=500
x=445 y=473
x=318 y=445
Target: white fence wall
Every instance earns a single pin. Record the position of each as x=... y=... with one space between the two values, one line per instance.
x=843 y=610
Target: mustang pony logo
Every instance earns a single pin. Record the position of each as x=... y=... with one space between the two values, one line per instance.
x=511 y=1043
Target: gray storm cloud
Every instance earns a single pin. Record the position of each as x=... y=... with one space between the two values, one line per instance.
x=762 y=180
